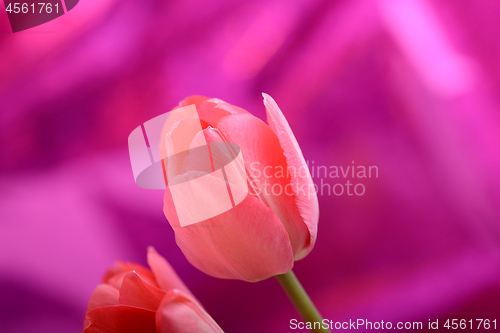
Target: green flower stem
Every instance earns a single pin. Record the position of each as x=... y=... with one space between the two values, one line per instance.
x=301 y=300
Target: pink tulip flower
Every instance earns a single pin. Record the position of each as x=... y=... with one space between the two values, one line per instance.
x=135 y=299
x=276 y=223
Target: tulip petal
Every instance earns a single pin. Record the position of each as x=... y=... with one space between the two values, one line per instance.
x=210 y=110
x=247 y=242
x=307 y=202
x=120 y=318
x=210 y=113
x=135 y=292
x=221 y=105
x=194 y=99
x=267 y=166
x=181 y=314
x=165 y=275
x=114 y=276
x=103 y=295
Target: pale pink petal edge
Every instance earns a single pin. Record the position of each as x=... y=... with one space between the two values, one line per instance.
x=165 y=275
x=166 y=320
x=307 y=203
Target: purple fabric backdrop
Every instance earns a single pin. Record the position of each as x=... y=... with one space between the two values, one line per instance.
x=411 y=87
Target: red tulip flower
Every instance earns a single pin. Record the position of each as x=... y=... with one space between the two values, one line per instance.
x=276 y=223
x=135 y=299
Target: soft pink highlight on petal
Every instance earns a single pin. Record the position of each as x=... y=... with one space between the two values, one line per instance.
x=210 y=110
x=114 y=276
x=166 y=277
x=179 y=313
x=210 y=113
x=307 y=203
x=135 y=292
x=232 y=109
x=194 y=99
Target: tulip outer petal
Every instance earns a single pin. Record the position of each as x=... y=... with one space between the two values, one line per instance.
x=179 y=313
x=307 y=203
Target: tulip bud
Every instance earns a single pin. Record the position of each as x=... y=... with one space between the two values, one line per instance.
x=132 y=298
x=273 y=220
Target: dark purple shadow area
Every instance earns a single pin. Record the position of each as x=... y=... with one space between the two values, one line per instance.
x=25 y=308
x=70 y=4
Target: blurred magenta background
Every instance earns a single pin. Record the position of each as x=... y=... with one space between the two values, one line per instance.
x=410 y=86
